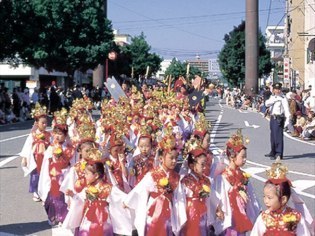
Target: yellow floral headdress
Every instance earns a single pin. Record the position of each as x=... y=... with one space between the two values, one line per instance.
x=168 y=141
x=235 y=144
x=277 y=173
x=86 y=132
x=60 y=119
x=39 y=111
x=202 y=126
x=94 y=155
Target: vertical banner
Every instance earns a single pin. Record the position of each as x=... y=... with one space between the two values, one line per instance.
x=286 y=70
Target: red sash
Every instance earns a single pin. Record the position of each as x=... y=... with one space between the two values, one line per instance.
x=160 y=214
x=241 y=221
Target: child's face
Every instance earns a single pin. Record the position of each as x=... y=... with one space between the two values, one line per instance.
x=200 y=164
x=114 y=151
x=90 y=177
x=240 y=158
x=206 y=142
x=169 y=160
x=84 y=150
x=271 y=198
x=60 y=137
x=145 y=146
x=42 y=124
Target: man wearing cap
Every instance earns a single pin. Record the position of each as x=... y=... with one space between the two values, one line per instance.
x=279 y=118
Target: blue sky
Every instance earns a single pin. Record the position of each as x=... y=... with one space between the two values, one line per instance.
x=184 y=29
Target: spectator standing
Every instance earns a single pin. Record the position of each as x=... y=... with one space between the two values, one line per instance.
x=279 y=118
x=16 y=103
x=77 y=94
x=34 y=97
x=54 y=100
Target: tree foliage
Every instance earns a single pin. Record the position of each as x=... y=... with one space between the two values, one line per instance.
x=140 y=57
x=177 y=68
x=64 y=35
x=232 y=56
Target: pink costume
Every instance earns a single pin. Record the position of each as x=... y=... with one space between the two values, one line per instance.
x=95 y=214
x=160 y=190
x=197 y=190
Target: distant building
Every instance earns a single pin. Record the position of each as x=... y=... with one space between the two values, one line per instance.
x=214 y=69
x=164 y=65
x=121 y=39
x=275 y=42
x=25 y=76
x=202 y=65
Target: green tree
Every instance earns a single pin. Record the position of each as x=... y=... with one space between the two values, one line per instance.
x=232 y=56
x=64 y=35
x=177 y=68
x=139 y=53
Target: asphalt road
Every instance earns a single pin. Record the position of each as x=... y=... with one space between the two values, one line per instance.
x=19 y=215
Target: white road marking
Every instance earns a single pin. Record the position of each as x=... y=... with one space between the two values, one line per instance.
x=303 y=184
x=7 y=160
x=16 y=137
x=254 y=170
x=248 y=125
x=297 y=139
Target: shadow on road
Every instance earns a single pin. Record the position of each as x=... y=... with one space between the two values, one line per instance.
x=305 y=155
x=25 y=228
x=8 y=167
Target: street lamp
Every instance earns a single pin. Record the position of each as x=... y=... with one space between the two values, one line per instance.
x=112 y=55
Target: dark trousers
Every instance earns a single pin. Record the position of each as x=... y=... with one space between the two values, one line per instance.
x=276 y=136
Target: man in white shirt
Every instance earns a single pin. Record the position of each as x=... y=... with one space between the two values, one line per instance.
x=279 y=118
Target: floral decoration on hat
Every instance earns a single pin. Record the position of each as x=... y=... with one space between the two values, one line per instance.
x=277 y=173
x=39 y=111
x=94 y=155
x=235 y=144
x=168 y=140
x=60 y=119
x=202 y=126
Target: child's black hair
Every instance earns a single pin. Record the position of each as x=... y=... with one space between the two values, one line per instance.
x=282 y=189
x=97 y=167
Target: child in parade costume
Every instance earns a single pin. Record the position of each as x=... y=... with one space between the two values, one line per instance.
x=55 y=165
x=279 y=218
x=143 y=162
x=196 y=186
x=115 y=164
x=232 y=196
x=34 y=148
x=202 y=135
x=102 y=212
x=96 y=220
x=161 y=190
x=75 y=178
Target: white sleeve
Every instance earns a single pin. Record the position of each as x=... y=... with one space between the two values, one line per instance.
x=270 y=101
x=302 y=228
x=259 y=227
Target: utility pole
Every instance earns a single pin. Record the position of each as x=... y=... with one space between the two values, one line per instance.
x=251 y=47
x=106 y=60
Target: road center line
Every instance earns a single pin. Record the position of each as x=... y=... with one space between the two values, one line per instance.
x=16 y=137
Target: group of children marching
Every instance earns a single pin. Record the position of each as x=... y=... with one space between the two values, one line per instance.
x=145 y=168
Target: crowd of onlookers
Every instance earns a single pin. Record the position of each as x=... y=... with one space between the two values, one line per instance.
x=301 y=104
x=16 y=106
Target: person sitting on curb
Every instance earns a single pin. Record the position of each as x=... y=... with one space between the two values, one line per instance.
x=309 y=129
